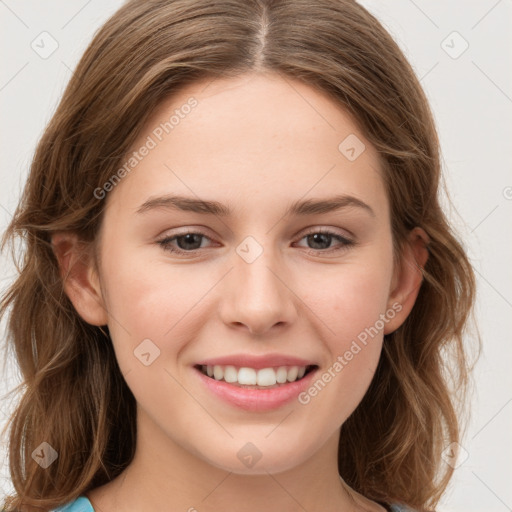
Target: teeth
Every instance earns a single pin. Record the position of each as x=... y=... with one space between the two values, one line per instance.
x=292 y=373
x=230 y=374
x=281 y=375
x=251 y=377
x=266 y=377
x=247 y=376
x=218 y=372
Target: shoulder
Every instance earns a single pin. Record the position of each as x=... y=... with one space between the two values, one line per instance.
x=81 y=504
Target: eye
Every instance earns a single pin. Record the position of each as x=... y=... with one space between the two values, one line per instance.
x=188 y=243
x=321 y=240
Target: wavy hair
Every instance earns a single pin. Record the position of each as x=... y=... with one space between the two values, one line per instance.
x=73 y=394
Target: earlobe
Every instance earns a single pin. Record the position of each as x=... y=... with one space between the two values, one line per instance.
x=79 y=277
x=408 y=278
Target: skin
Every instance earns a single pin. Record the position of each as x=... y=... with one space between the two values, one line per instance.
x=255 y=143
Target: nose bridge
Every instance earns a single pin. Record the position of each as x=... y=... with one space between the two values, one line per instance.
x=256 y=296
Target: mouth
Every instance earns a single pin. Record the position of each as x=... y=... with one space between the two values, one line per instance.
x=256 y=383
x=256 y=378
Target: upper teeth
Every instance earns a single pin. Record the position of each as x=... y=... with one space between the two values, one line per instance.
x=251 y=376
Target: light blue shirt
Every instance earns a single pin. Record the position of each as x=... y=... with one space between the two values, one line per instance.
x=82 y=504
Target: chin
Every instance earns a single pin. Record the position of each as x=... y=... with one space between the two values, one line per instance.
x=257 y=458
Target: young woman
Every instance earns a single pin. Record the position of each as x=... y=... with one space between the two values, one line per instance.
x=238 y=290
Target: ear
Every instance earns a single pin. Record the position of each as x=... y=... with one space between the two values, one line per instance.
x=79 y=276
x=407 y=278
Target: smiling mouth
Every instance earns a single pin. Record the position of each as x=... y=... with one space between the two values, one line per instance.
x=251 y=378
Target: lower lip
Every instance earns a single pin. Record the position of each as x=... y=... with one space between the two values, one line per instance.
x=257 y=400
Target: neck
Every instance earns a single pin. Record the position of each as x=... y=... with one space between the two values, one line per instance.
x=175 y=479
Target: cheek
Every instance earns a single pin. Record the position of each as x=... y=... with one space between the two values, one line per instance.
x=351 y=304
x=153 y=310
x=150 y=300
x=358 y=304
x=352 y=335
x=350 y=300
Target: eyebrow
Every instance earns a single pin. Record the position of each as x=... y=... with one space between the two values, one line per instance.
x=300 y=207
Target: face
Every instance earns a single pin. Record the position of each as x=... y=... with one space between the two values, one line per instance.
x=254 y=283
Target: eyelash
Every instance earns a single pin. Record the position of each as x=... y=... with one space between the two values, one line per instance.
x=346 y=242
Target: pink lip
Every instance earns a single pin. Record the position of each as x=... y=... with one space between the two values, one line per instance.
x=257 y=400
x=256 y=362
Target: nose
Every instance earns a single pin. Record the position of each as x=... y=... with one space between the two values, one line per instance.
x=256 y=296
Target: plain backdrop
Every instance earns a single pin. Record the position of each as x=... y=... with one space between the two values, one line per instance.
x=462 y=53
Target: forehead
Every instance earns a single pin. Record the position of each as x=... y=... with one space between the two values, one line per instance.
x=260 y=136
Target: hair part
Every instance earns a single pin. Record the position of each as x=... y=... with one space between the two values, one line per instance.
x=74 y=395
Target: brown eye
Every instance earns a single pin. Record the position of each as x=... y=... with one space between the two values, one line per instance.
x=321 y=240
x=186 y=242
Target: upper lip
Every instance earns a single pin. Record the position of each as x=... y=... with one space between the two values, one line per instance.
x=257 y=362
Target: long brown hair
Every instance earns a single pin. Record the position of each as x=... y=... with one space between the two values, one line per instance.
x=74 y=395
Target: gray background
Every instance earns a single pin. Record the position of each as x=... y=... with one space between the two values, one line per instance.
x=470 y=91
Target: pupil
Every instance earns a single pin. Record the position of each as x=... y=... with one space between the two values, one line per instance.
x=318 y=238
x=189 y=239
